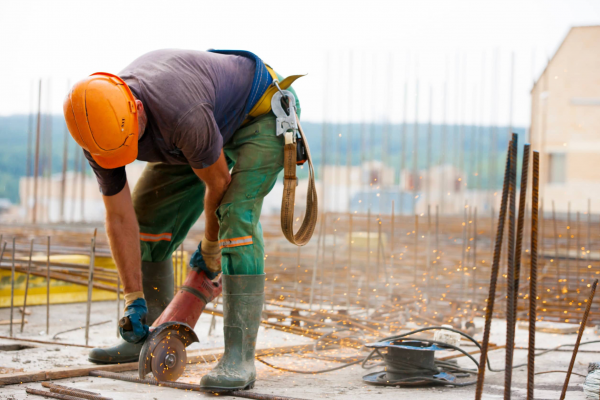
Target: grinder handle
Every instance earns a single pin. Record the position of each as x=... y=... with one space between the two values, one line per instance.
x=125 y=323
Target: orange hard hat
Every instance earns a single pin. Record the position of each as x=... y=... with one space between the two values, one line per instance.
x=101 y=116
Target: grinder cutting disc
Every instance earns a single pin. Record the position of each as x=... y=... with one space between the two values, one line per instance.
x=164 y=353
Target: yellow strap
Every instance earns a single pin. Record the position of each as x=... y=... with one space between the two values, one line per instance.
x=263 y=105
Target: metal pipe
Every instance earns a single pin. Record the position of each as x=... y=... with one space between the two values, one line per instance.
x=533 y=275
x=489 y=309
x=12 y=287
x=510 y=303
x=90 y=288
x=48 y=288
x=26 y=287
x=579 y=335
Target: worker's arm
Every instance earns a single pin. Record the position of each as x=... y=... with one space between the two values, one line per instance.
x=124 y=238
x=217 y=179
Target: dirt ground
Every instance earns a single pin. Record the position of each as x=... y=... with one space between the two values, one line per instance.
x=341 y=384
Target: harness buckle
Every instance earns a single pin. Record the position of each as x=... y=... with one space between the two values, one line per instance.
x=283 y=104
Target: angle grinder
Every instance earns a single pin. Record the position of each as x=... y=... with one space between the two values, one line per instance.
x=164 y=350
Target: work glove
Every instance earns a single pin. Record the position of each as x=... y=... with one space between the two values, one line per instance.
x=207 y=258
x=136 y=311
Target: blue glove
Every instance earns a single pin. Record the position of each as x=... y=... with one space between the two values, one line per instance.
x=136 y=312
x=198 y=264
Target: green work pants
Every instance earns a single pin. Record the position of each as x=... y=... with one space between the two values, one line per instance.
x=168 y=199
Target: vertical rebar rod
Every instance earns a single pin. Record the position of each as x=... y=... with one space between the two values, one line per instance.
x=90 y=288
x=510 y=303
x=589 y=236
x=533 y=275
x=577 y=253
x=521 y=224
x=368 y=265
x=26 y=286
x=403 y=146
x=349 y=271
x=474 y=269
x=48 y=287
x=29 y=146
x=428 y=256
x=464 y=248
x=63 y=183
x=12 y=287
x=118 y=303
x=556 y=249
x=416 y=251
x=36 y=162
x=568 y=255
x=437 y=247
x=333 y=265
x=415 y=152
x=322 y=265
x=489 y=308
x=316 y=264
x=579 y=335
x=296 y=270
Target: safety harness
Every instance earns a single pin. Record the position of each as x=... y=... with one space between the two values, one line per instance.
x=296 y=152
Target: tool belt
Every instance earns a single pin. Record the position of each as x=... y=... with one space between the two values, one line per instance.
x=296 y=152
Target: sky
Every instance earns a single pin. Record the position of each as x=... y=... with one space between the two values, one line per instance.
x=457 y=59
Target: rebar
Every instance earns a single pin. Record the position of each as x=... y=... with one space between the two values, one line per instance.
x=12 y=287
x=533 y=271
x=187 y=386
x=510 y=303
x=48 y=288
x=36 y=167
x=521 y=221
x=578 y=252
x=77 y=393
x=26 y=287
x=90 y=289
x=489 y=309
x=50 y=394
x=579 y=335
x=50 y=385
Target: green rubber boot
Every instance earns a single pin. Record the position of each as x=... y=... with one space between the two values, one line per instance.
x=243 y=298
x=157 y=282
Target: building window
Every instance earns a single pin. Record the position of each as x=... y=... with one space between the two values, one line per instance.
x=558 y=167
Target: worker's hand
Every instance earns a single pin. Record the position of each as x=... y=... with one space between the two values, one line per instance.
x=136 y=312
x=211 y=254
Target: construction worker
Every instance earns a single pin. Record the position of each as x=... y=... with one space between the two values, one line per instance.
x=191 y=115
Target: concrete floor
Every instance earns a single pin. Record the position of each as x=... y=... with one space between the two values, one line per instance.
x=341 y=384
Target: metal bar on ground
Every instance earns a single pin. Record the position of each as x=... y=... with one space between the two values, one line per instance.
x=533 y=275
x=44 y=393
x=26 y=287
x=579 y=335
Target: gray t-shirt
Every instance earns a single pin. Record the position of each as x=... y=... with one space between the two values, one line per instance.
x=194 y=101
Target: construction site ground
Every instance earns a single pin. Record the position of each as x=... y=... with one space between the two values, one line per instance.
x=341 y=384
